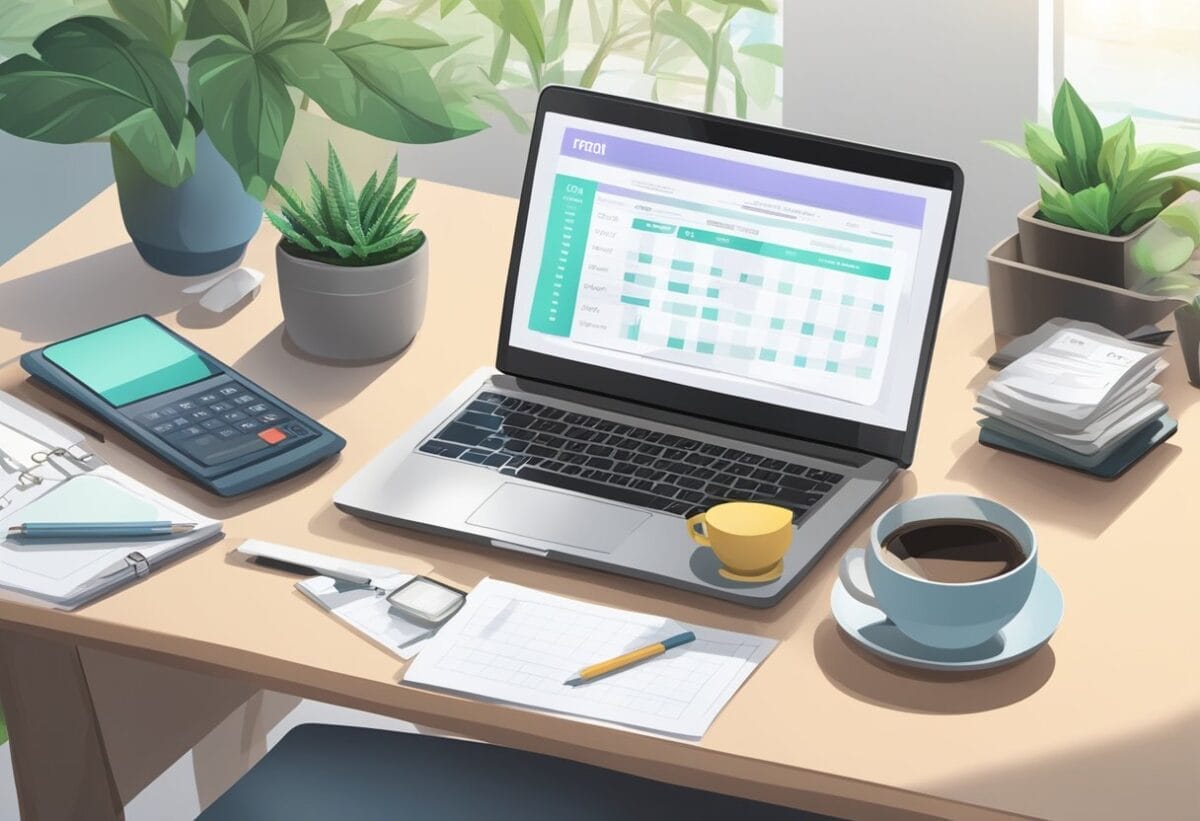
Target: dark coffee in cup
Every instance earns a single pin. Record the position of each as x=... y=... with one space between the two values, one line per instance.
x=953 y=551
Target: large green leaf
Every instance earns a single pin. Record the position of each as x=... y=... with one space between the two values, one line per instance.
x=1162 y=158
x=768 y=52
x=159 y=21
x=1043 y=148
x=258 y=24
x=1080 y=138
x=1118 y=153
x=687 y=30
x=1089 y=207
x=246 y=109
x=371 y=85
x=393 y=31
x=93 y=75
x=21 y=21
x=212 y=18
x=1056 y=204
x=520 y=19
x=144 y=137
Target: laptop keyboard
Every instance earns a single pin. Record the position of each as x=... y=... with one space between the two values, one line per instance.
x=620 y=462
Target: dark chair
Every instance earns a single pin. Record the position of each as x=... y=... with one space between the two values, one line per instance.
x=331 y=773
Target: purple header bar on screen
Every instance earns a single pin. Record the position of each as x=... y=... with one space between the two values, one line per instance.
x=887 y=206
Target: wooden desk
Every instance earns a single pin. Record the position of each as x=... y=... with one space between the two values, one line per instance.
x=1103 y=723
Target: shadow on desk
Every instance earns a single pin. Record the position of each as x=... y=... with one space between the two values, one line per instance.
x=862 y=676
x=86 y=293
x=314 y=386
x=1126 y=770
x=1049 y=493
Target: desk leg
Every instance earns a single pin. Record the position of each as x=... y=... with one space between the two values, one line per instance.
x=59 y=760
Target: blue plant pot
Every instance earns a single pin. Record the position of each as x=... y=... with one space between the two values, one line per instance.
x=200 y=227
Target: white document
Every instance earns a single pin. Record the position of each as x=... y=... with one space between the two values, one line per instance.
x=510 y=643
x=1077 y=368
x=322 y=565
x=365 y=609
x=66 y=572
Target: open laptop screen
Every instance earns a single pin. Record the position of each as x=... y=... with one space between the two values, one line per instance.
x=788 y=283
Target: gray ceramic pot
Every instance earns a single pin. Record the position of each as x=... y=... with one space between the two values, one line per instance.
x=1187 y=327
x=353 y=314
x=1096 y=257
x=199 y=227
x=1024 y=296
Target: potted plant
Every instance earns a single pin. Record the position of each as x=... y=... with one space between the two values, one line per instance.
x=1167 y=256
x=192 y=167
x=353 y=273
x=1099 y=191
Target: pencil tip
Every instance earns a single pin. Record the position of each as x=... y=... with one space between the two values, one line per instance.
x=574 y=682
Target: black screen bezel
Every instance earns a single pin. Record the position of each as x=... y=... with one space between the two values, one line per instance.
x=776 y=142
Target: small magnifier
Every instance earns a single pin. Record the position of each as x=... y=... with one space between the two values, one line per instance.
x=427 y=600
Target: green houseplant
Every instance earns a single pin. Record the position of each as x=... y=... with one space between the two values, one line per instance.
x=353 y=272
x=1167 y=256
x=193 y=165
x=1099 y=190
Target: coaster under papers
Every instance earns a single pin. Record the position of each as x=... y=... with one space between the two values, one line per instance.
x=1110 y=467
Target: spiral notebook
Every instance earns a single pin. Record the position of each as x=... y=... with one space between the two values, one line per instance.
x=47 y=475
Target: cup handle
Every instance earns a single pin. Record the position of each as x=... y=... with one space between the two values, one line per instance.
x=853 y=572
x=699 y=536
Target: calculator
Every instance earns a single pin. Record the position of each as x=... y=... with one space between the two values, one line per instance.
x=214 y=424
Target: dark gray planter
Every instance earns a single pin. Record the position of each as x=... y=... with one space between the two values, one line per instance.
x=200 y=227
x=1095 y=257
x=1187 y=329
x=353 y=314
x=1024 y=296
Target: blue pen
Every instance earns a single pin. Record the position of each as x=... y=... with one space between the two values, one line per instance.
x=99 y=530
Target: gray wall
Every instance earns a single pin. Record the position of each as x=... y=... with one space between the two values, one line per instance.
x=932 y=77
x=43 y=184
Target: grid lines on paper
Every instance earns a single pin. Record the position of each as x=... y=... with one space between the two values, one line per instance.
x=538 y=646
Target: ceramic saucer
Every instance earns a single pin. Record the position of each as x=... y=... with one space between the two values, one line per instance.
x=769 y=575
x=1032 y=627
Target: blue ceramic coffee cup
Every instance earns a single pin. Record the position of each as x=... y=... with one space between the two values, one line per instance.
x=946 y=615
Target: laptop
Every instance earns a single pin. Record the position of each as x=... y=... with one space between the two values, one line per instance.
x=698 y=310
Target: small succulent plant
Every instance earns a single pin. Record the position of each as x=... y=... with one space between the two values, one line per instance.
x=341 y=227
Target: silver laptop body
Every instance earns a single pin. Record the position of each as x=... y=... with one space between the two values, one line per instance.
x=489 y=463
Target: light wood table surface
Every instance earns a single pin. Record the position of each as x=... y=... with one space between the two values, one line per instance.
x=1102 y=723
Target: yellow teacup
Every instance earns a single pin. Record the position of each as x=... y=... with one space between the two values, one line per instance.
x=750 y=538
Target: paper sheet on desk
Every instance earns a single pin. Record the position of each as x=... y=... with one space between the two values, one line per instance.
x=64 y=571
x=514 y=644
x=365 y=609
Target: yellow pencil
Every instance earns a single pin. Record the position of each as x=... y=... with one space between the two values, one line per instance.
x=612 y=665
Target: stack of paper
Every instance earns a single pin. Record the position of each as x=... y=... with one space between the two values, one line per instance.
x=1078 y=398
x=518 y=645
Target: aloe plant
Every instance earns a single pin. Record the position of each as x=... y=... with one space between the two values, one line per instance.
x=1099 y=180
x=340 y=226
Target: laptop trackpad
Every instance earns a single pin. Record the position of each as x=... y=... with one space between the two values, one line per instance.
x=550 y=516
